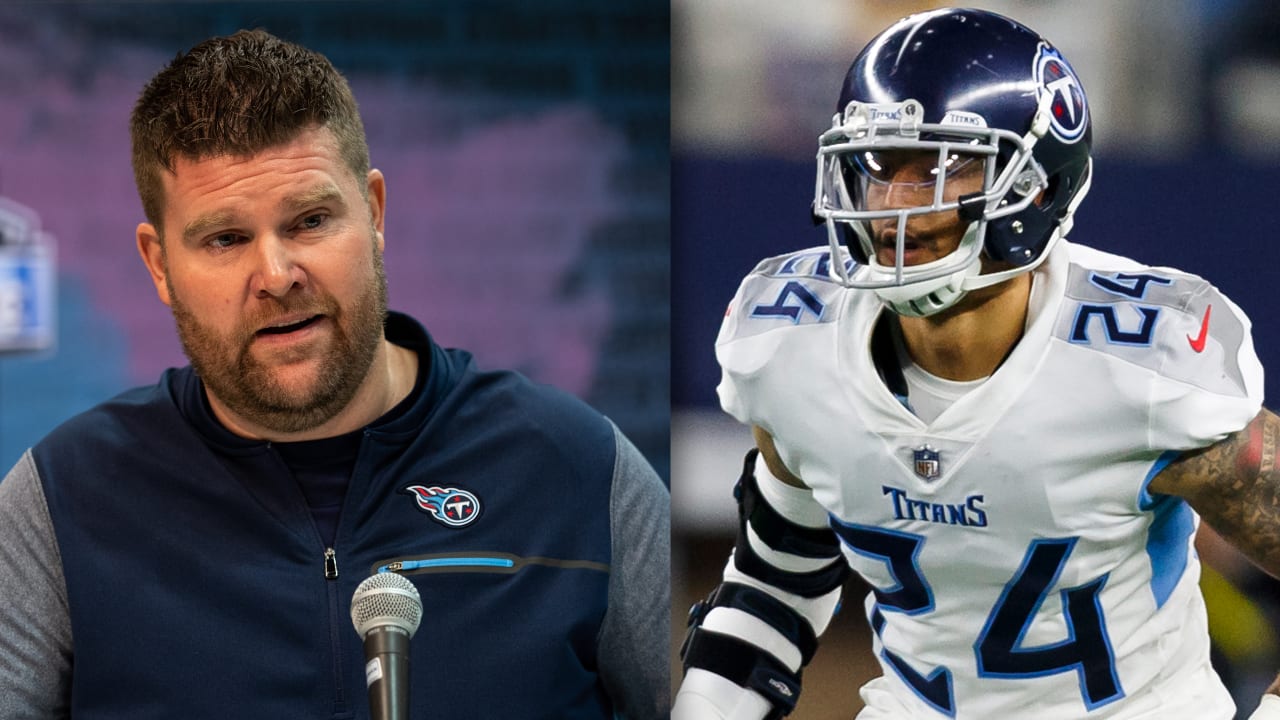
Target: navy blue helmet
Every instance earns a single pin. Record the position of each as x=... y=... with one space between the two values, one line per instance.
x=986 y=96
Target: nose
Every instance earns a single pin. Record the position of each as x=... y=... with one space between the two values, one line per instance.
x=277 y=271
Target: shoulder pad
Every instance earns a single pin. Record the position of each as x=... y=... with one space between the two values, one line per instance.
x=783 y=291
x=1172 y=323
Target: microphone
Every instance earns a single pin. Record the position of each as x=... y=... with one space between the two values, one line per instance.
x=386 y=610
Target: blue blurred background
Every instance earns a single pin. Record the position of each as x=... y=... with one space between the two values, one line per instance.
x=525 y=147
x=1185 y=96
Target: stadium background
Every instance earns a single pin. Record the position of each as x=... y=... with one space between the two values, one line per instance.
x=1185 y=98
x=525 y=147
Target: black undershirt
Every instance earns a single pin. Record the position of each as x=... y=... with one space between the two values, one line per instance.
x=322 y=468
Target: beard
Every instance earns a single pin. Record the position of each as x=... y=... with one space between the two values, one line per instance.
x=252 y=390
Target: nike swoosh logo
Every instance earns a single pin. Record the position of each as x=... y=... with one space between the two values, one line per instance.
x=1197 y=343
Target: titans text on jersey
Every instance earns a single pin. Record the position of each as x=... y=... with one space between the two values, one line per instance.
x=968 y=513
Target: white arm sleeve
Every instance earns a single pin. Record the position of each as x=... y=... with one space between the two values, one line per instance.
x=706 y=696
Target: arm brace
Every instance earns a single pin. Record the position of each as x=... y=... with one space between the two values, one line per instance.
x=759 y=628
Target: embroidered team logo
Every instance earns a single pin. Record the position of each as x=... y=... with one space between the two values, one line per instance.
x=928 y=463
x=450 y=506
x=1068 y=115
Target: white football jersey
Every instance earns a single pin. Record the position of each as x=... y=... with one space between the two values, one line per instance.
x=1021 y=567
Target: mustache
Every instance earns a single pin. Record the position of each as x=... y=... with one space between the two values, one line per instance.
x=274 y=311
x=888 y=239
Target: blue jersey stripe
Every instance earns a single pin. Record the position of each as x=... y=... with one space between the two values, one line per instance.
x=1168 y=535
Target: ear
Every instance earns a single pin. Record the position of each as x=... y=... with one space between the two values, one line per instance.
x=377 y=187
x=152 y=251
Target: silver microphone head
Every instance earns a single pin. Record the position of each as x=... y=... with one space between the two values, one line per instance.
x=386 y=599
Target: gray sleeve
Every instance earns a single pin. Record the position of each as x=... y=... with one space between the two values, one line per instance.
x=636 y=635
x=35 y=623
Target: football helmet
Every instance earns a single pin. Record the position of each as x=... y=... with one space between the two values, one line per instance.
x=987 y=105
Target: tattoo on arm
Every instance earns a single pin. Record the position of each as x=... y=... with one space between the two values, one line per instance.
x=1235 y=486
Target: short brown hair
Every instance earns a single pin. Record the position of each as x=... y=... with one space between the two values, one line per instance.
x=238 y=95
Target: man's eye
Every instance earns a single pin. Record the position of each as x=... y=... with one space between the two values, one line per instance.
x=223 y=241
x=311 y=222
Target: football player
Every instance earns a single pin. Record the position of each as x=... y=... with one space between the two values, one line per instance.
x=1009 y=436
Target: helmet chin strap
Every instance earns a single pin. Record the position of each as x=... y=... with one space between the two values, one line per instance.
x=931 y=303
x=929 y=297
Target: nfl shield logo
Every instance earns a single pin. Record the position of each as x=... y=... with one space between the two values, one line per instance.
x=928 y=464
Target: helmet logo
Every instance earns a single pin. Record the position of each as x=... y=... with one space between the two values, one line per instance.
x=1068 y=116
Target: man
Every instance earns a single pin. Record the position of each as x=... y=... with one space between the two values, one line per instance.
x=1003 y=433
x=191 y=549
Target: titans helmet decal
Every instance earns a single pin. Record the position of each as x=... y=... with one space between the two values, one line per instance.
x=1068 y=115
x=449 y=506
